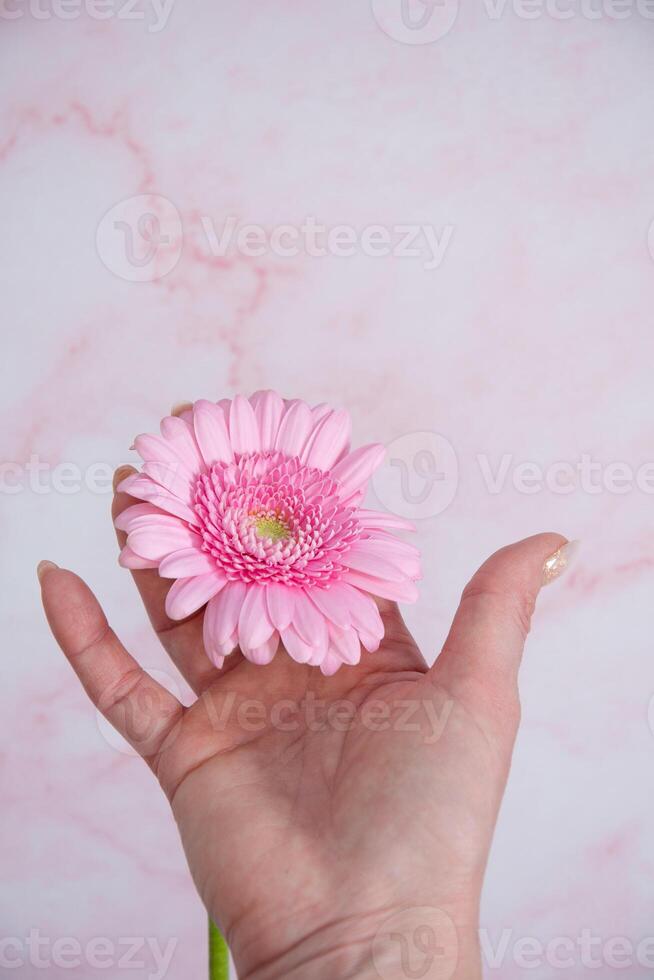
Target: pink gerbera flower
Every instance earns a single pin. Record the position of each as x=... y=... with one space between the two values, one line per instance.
x=252 y=506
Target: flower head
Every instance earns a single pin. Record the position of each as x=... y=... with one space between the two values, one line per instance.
x=252 y=506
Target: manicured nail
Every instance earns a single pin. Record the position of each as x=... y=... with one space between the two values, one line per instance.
x=121 y=474
x=560 y=561
x=180 y=407
x=43 y=567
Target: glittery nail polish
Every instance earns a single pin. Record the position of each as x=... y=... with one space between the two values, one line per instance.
x=560 y=561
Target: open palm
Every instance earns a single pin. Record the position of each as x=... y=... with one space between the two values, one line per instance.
x=335 y=827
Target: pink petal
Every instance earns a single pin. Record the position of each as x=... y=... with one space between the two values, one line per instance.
x=333 y=603
x=355 y=470
x=129 y=559
x=294 y=430
x=141 y=486
x=367 y=560
x=308 y=622
x=156 y=518
x=405 y=591
x=243 y=429
x=187 y=595
x=254 y=626
x=381 y=519
x=186 y=563
x=228 y=646
x=363 y=610
x=344 y=644
x=211 y=433
x=330 y=664
x=135 y=514
x=264 y=654
x=370 y=642
x=318 y=412
x=225 y=610
x=317 y=657
x=155 y=541
x=328 y=441
x=180 y=435
x=155 y=449
x=280 y=604
x=171 y=478
x=268 y=411
x=389 y=540
x=215 y=650
x=300 y=651
x=401 y=555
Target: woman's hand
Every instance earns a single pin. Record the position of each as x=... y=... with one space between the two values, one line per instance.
x=335 y=827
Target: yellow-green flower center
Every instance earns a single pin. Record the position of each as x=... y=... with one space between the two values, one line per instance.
x=271 y=527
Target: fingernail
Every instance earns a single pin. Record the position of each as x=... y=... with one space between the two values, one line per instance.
x=560 y=561
x=180 y=407
x=121 y=474
x=43 y=567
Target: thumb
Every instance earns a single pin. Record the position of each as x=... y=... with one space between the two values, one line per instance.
x=481 y=656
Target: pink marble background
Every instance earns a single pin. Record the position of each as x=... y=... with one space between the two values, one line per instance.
x=532 y=140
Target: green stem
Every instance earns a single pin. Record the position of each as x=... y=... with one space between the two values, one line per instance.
x=218 y=955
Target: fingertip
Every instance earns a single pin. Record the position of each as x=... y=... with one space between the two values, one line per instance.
x=559 y=561
x=72 y=610
x=521 y=564
x=121 y=474
x=43 y=568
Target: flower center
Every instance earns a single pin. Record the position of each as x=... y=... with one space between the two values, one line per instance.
x=270 y=526
x=267 y=517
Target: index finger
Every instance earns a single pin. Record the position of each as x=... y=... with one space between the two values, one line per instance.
x=139 y=708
